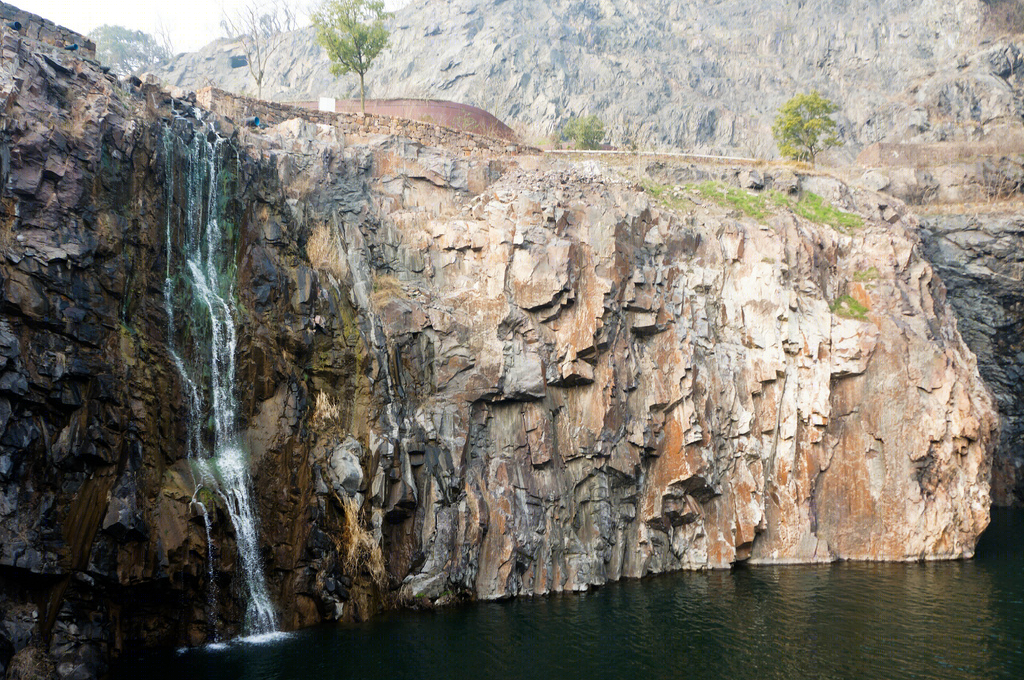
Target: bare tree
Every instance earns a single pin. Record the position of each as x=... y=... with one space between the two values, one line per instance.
x=291 y=13
x=259 y=27
x=163 y=36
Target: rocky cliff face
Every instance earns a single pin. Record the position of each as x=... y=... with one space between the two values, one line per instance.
x=702 y=76
x=102 y=542
x=940 y=83
x=458 y=376
x=981 y=262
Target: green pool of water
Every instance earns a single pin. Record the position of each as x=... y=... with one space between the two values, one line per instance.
x=935 y=620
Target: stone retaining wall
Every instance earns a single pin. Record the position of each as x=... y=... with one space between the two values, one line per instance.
x=462 y=117
x=939 y=153
x=357 y=125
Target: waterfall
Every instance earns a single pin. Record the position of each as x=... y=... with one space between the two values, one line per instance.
x=198 y=297
x=211 y=591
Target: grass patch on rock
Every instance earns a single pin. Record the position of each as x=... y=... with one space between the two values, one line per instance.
x=668 y=196
x=869 y=274
x=756 y=204
x=849 y=308
x=814 y=208
x=752 y=204
x=324 y=251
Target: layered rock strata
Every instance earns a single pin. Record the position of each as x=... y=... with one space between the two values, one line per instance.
x=502 y=375
x=647 y=390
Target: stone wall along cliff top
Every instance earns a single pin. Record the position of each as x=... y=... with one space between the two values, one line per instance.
x=449 y=114
x=357 y=127
x=898 y=155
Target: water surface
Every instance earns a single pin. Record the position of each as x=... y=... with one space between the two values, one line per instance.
x=851 y=620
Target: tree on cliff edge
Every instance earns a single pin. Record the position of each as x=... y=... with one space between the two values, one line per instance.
x=803 y=128
x=353 y=33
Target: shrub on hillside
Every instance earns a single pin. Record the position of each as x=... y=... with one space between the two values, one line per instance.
x=586 y=132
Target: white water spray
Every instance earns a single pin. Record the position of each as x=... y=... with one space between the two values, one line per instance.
x=198 y=296
x=211 y=592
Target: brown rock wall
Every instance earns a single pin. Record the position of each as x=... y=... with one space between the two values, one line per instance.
x=617 y=390
x=450 y=114
x=495 y=376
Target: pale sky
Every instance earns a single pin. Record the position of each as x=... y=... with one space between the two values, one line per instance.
x=192 y=23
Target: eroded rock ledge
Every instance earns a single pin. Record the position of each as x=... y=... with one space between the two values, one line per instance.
x=543 y=378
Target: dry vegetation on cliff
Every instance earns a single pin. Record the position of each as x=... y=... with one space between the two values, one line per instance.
x=361 y=551
x=326 y=414
x=324 y=251
x=386 y=287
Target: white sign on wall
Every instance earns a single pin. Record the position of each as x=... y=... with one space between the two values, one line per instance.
x=328 y=104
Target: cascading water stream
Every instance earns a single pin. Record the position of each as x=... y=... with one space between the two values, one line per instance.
x=211 y=592
x=198 y=294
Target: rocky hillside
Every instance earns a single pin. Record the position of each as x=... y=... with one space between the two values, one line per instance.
x=702 y=76
x=462 y=372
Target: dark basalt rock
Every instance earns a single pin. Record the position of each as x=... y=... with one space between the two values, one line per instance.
x=95 y=491
x=981 y=261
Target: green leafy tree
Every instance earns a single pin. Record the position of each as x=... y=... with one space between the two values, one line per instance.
x=803 y=128
x=126 y=51
x=586 y=132
x=353 y=34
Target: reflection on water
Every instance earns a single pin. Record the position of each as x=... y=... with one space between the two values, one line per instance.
x=934 y=620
